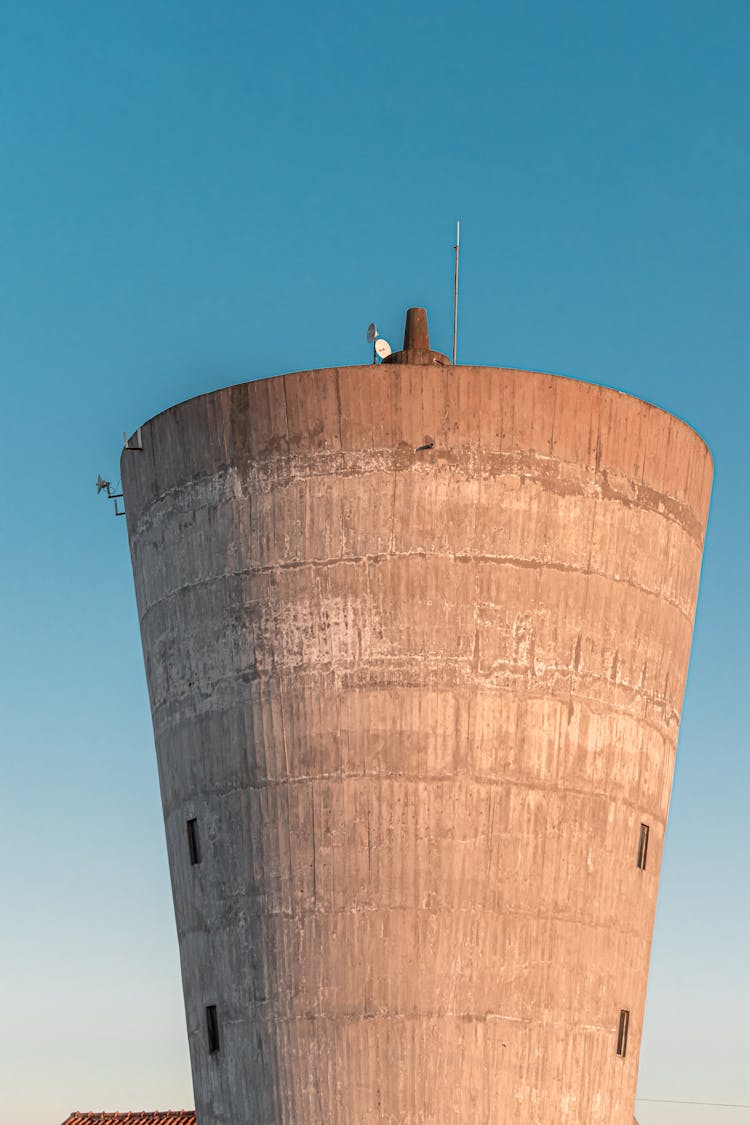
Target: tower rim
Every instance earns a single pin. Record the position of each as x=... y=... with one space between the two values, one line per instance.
x=442 y=370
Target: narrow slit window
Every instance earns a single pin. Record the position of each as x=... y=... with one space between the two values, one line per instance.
x=193 y=843
x=622 y=1033
x=212 y=1028
x=643 y=847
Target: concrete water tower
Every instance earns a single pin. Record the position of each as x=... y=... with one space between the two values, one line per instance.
x=416 y=638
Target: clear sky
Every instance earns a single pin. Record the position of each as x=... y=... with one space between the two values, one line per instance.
x=193 y=194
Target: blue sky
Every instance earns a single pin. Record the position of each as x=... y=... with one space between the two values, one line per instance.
x=193 y=194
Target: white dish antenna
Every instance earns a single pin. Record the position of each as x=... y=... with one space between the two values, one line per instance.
x=380 y=347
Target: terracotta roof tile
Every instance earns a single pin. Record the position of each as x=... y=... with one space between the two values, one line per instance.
x=155 y=1117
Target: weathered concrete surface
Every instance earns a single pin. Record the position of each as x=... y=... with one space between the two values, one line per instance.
x=420 y=704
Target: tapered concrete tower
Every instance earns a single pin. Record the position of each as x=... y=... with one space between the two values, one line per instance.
x=416 y=639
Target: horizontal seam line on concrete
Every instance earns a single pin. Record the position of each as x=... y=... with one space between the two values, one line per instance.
x=497 y=914
x=377 y=559
x=481 y=781
x=410 y=1017
x=334 y=464
x=671 y=715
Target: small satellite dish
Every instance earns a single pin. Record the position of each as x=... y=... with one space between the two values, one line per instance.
x=382 y=347
x=372 y=333
x=101 y=484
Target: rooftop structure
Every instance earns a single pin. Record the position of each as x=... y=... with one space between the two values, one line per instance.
x=152 y=1117
x=416 y=638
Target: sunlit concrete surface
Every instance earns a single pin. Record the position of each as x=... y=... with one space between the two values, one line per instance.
x=418 y=702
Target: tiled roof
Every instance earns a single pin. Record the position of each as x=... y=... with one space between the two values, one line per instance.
x=156 y=1117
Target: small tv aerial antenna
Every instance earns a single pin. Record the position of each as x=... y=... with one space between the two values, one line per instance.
x=103 y=485
x=380 y=347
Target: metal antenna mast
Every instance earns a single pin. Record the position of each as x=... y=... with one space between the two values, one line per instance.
x=457 y=247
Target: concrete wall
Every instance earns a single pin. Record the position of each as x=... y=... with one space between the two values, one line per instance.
x=419 y=705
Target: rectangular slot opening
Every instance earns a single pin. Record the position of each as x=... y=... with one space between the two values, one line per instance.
x=622 y=1033
x=212 y=1027
x=643 y=847
x=193 y=845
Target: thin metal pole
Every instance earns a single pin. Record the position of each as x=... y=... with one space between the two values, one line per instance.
x=455 y=292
